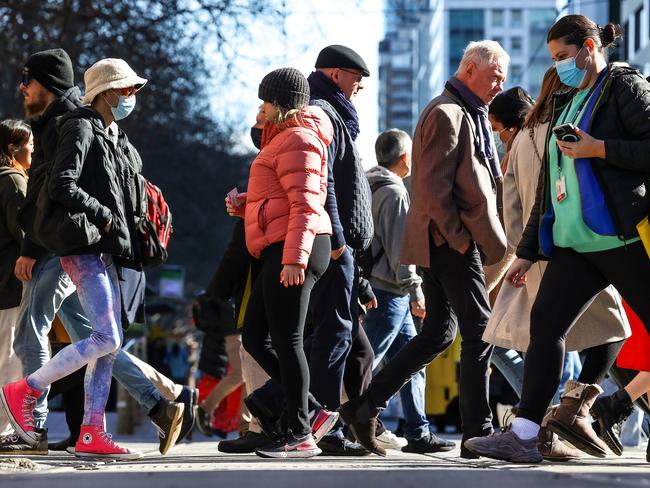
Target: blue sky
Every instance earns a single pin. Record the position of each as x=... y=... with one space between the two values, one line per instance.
x=309 y=26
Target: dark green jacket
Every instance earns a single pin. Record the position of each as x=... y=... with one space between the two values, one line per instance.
x=13 y=186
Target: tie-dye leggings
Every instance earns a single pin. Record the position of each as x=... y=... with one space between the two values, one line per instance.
x=99 y=294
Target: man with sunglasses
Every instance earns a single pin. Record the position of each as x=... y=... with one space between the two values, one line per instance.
x=47 y=86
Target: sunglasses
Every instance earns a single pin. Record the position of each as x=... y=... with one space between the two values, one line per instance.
x=24 y=78
x=127 y=92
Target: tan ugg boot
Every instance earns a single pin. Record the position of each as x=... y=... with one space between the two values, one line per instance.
x=570 y=420
x=551 y=446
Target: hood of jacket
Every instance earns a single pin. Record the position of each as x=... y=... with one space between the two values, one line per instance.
x=67 y=102
x=382 y=175
x=309 y=117
x=8 y=170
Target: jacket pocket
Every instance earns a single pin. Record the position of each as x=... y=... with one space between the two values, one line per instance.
x=261 y=215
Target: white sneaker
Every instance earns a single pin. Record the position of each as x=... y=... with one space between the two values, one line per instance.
x=388 y=440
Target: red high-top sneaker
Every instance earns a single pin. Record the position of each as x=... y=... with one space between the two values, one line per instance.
x=94 y=442
x=19 y=400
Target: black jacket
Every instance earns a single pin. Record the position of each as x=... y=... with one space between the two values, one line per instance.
x=12 y=192
x=46 y=139
x=349 y=200
x=621 y=117
x=93 y=177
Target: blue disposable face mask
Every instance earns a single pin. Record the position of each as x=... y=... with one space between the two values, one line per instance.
x=569 y=73
x=125 y=106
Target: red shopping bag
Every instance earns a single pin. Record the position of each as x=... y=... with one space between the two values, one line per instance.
x=636 y=351
x=226 y=415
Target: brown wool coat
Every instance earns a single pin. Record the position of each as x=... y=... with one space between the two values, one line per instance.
x=453 y=195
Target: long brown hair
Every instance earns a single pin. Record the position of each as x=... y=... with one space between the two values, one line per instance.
x=541 y=111
x=16 y=132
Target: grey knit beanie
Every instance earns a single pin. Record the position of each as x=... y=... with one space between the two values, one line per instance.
x=285 y=87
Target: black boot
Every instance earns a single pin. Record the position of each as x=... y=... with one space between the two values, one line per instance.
x=610 y=411
x=361 y=418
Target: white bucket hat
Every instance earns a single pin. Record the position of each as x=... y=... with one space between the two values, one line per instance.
x=107 y=74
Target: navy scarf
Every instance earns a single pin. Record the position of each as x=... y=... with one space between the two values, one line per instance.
x=478 y=110
x=323 y=88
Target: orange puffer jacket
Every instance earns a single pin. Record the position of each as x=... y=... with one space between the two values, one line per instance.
x=287 y=186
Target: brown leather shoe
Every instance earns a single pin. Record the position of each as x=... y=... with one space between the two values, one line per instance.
x=571 y=418
x=553 y=449
x=361 y=418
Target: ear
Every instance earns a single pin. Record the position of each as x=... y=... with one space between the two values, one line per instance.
x=591 y=45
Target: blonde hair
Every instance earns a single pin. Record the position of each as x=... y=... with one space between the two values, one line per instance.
x=283 y=114
x=482 y=53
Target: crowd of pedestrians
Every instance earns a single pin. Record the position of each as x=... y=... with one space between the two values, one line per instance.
x=519 y=223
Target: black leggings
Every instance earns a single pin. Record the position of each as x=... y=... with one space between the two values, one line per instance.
x=598 y=360
x=571 y=280
x=275 y=322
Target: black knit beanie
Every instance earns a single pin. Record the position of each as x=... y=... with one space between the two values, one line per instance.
x=285 y=87
x=52 y=69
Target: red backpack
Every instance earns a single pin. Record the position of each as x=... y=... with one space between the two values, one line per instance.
x=154 y=222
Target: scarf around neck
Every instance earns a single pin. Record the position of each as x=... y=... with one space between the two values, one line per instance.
x=478 y=110
x=323 y=88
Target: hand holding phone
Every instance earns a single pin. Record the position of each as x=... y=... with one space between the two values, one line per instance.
x=566 y=133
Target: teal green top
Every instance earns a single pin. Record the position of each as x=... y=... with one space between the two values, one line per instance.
x=569 y=228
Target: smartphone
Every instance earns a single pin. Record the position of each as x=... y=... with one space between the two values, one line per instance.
x=232 y=197
x=566 y=133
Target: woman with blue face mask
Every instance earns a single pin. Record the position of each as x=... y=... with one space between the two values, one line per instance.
x=91 y=179
x=592 y=194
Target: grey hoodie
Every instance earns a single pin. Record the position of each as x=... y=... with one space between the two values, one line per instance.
x=390 y=204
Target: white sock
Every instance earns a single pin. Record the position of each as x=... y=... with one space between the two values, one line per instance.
x=524 y=428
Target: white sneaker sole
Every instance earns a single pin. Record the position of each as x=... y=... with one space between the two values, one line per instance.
x=307 y=453
x=132 y=456
x=24 y=435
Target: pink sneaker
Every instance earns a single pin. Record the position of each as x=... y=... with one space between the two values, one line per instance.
x=19 y=400
x=322 y=421
x=94 y=442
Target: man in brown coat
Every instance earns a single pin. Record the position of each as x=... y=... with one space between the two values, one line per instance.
x=452 y=229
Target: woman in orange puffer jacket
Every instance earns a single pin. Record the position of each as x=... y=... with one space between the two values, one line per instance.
x=287 y=232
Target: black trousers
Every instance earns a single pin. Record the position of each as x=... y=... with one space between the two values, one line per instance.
x=275 y=322
x=455 y=294
x=569 y=283
x=358 y=366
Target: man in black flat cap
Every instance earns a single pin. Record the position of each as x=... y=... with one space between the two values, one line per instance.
x=340 y=351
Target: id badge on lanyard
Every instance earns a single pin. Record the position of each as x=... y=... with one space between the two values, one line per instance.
x=560 y=189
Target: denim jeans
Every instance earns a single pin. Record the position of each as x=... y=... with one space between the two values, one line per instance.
x=390 y=327
x=50 y=291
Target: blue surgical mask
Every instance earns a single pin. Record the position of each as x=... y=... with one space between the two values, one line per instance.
x=569 y=73
x=125 y=106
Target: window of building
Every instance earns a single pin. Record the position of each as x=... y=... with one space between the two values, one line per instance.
x=516 y=18
x=516 y=46
x=465 y=25
x=500 y=41
x=497 y=17
x=625 y=43
x=516 y=74
x=637 y=29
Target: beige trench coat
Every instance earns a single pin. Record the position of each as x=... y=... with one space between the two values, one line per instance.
x=602 y=322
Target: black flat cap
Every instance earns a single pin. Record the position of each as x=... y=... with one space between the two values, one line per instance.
x=337 y=56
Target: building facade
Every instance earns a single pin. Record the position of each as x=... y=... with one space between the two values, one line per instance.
x=424 y=43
